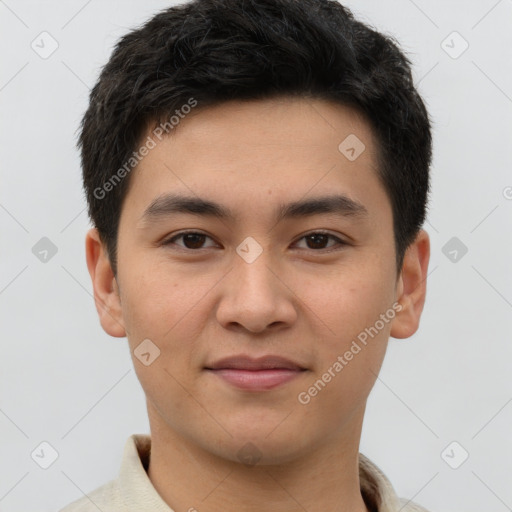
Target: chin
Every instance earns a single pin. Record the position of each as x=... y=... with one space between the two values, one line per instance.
x=260 y=452
x=261 y=445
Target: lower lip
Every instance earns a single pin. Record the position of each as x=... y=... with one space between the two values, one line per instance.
x=257 y=380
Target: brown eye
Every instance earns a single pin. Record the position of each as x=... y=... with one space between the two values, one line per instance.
x=192 y=240
x=318 y=240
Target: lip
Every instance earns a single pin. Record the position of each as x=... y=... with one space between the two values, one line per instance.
x=259 y=374
x=244 y=362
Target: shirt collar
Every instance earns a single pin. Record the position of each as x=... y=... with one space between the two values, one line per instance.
x=138 y=492
x=135 y=487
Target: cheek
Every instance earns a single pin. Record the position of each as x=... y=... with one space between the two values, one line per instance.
x=158 y=307
x=167 y=308
x=157 y=299
x=349 y=358
x=346 y=306
x=356 y=314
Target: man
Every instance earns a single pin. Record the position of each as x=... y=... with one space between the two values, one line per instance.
x=257 y=173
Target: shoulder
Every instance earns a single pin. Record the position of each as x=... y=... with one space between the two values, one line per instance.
x=105 y=498
x=410 y=506
x=378 y=491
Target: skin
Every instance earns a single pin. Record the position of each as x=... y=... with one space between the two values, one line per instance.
x=296 y=300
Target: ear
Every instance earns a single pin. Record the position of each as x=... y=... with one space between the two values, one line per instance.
x=106 y=291
x=412 y=287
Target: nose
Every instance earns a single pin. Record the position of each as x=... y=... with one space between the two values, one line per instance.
x=256 y=297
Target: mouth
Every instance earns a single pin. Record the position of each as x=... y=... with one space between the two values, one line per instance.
x=260 y=374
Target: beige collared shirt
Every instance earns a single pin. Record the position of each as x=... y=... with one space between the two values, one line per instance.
x=133 y=491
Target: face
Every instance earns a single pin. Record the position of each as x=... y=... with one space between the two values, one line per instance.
x=301 y=297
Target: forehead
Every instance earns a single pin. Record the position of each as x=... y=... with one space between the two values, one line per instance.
x=248 y=154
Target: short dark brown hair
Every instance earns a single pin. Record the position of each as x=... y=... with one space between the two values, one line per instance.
x=218 y=50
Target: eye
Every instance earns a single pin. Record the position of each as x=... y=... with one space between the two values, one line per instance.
x=194 y=240
x=317 y=239
x=191 y=239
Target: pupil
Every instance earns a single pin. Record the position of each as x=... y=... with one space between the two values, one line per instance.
x=196 y=240
x=315 y=239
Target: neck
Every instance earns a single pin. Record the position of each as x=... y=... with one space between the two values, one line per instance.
x=189 y=478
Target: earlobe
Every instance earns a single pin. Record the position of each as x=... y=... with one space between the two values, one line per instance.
x=412 y=287
x=106 y=292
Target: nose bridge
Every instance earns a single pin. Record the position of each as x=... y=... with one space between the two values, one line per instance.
x=252 y=265
x=254 y=296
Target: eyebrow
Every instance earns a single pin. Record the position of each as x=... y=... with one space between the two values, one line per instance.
x=169 y=204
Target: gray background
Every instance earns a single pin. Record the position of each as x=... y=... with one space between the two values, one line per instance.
x=66 y=382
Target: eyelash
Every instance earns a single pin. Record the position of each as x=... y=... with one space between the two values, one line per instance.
x=340 y=243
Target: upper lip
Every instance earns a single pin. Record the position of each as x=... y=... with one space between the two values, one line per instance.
x=243 y=362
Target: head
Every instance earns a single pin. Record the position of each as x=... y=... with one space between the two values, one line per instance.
x=251 y=114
